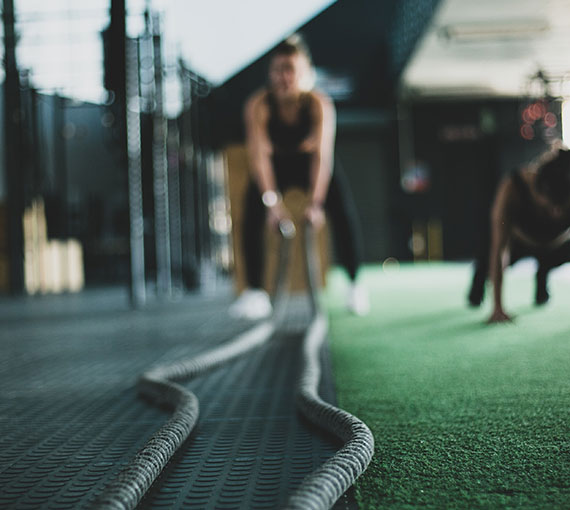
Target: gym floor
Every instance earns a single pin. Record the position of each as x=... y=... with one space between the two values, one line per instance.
x=464 y=414
x=71 y=419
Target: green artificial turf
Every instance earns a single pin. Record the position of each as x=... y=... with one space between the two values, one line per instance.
x=464 y=415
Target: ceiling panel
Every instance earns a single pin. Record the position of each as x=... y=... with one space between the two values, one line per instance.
x=493 y=48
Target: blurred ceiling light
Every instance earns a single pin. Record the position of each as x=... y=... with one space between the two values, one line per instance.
x=494 y=30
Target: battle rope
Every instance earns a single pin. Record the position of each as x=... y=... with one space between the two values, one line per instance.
x=159 y=385
x=320 y=489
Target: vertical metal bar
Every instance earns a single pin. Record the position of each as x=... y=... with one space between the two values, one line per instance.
x=138 y=280
x=36 y=144
x=202 y=202
x=173 y=151
x=190 y=253
x=128 y=137
x=208 y=242
x=197 y=186
x=60 y=156
x=13 y=150
x=160 y=176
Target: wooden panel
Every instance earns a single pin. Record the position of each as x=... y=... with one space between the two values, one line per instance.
x=49 y=265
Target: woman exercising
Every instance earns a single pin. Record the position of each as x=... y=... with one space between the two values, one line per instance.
x=290 y=134
x=530 y=218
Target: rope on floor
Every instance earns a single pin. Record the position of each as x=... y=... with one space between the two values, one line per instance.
x=159 y=385
x=322 y=488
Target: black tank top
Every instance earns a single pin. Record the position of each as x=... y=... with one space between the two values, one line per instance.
x=286 y=137
x=531 y=219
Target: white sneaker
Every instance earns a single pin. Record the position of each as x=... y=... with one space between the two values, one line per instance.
x=357 y=300
x=252 y=304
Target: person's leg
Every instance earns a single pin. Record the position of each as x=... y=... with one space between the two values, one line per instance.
x=541 y=294
x=480 y=273
x=343 y=216
x=546 y=262
x=342 y=213
x=252 y=237
x=516 y=252
x=254 y=302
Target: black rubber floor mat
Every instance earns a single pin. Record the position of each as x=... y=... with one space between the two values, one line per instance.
x=250 y=450
x=70 y=418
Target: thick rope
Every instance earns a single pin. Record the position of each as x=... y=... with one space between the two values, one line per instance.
x=158 y=385
x=321 y=488
x=131 y=484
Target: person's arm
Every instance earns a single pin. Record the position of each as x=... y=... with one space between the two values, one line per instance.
x=259 y=150
x=500 y=235
x=257 y=142
x=321 y=145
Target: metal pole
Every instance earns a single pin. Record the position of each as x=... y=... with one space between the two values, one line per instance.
x=13 y=149
x=198 y=188
x=36 y=144
x=190 y=252
x=138 y=280
x=60 y=156
x=160 y=175
x=174 y=204
x=128 y=138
